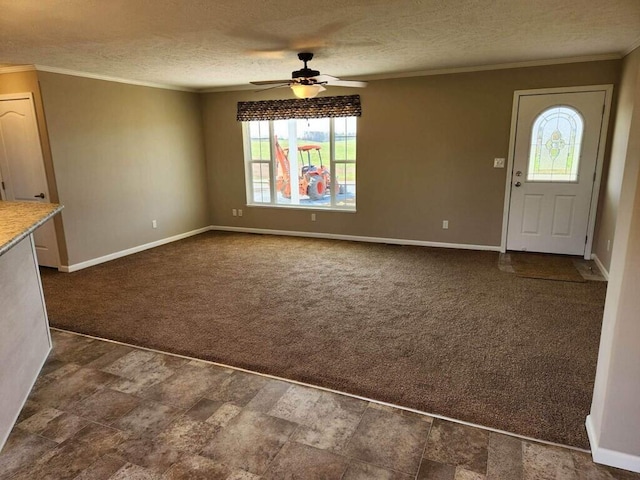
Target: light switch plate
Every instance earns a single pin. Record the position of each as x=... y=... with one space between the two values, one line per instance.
x=498 y=163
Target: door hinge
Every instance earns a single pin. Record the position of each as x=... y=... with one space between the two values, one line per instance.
x=594 y=176
x=3 y=186
x=586 y=239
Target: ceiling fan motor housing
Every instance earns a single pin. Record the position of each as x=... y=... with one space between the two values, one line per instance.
x=305 y=72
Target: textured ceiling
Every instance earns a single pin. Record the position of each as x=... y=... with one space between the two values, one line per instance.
x=206 y=43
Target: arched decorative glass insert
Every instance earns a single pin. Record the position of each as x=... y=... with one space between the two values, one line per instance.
x=556 y=139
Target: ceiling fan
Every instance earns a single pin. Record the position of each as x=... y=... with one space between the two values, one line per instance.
x=307 y=83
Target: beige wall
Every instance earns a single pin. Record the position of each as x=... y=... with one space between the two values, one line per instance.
x=24 y=82
x=425 y=154
x=610 y=193
x=615 y=412
x=124 y=155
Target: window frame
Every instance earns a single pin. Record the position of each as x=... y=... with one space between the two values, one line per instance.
x=249 y=162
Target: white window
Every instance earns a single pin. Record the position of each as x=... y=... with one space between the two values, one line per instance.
x=556 y=141
x=301 y=163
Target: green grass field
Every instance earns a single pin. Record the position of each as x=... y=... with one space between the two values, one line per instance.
x=345 y=150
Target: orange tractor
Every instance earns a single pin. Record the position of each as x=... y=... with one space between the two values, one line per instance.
x=314 y=181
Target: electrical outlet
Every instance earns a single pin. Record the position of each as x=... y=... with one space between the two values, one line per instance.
x=313 y=217
x=445 y=224
x=498 y=163
x=239 y=212
x=154 y=224
x=234 y=212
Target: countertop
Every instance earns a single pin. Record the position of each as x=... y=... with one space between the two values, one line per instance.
x=19 y=219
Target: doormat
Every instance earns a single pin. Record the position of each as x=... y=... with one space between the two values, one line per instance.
x=546 y=267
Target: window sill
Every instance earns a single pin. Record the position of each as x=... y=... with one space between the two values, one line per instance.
x=306 y=209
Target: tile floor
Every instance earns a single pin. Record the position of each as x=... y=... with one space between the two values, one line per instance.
x=100 y=410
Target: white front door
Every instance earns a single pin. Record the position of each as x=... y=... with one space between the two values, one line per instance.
x=557 y=141
x=22 y=167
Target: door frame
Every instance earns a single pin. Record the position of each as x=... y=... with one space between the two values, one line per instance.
x=3 y=196
x=595 y=192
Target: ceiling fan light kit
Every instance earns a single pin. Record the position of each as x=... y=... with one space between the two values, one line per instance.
x=307 y=83
x=301 y=90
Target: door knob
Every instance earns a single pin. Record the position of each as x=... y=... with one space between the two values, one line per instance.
x=39 y=196
x=517 y=184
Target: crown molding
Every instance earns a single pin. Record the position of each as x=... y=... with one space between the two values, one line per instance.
x=383 y=76
x=17 y=69
x=633 y=46
x=497 y=66
x=76 y=73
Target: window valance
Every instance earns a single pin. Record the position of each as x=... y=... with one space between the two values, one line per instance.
x=318 y=107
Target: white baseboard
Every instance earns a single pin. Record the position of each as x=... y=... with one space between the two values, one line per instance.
x=608 y=457
x=123 y=253
x=358 y=238
x=600 y=266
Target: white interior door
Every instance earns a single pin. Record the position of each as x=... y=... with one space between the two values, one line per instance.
x=22 y=167
x=555 y=154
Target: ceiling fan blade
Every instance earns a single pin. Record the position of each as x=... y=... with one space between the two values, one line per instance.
x=347 y=83
x=325 y=78
x=271 y=88
x=270 y=82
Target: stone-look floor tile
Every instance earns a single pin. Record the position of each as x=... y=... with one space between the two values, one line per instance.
x=203 y=409
x=224 y=415
x=542 y=462
x=186 y=386
x=436 y=471
x=71 y=388
x=101 y=469
x=239 y=388
x=105 y=406
x=296 y=460
x=128 y=364
x=295 y=404
x=331 y=422
x=86 y=354
x=63 y=427
x=63 y=371
x=364 y=471
x=194 y=467
x=389 y=440
x=64 y=462
x=102 y=437
x=458 y=445
x=242 y=475
x=22 y=449
x=30 y=408
x=157 y=369
x=187 y=435
x=250 y=441
x=148 y=453
x=268 y=396
x=39 y=421
x=587 y=470
x=51 y=364
x=148 y=417
x=117 y=352
x=505 y=457
x=464 y=474
x=134 y=472
x=65 y=344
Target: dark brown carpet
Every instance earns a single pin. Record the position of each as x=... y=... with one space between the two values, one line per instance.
x=544 y=266
x=443 y=331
